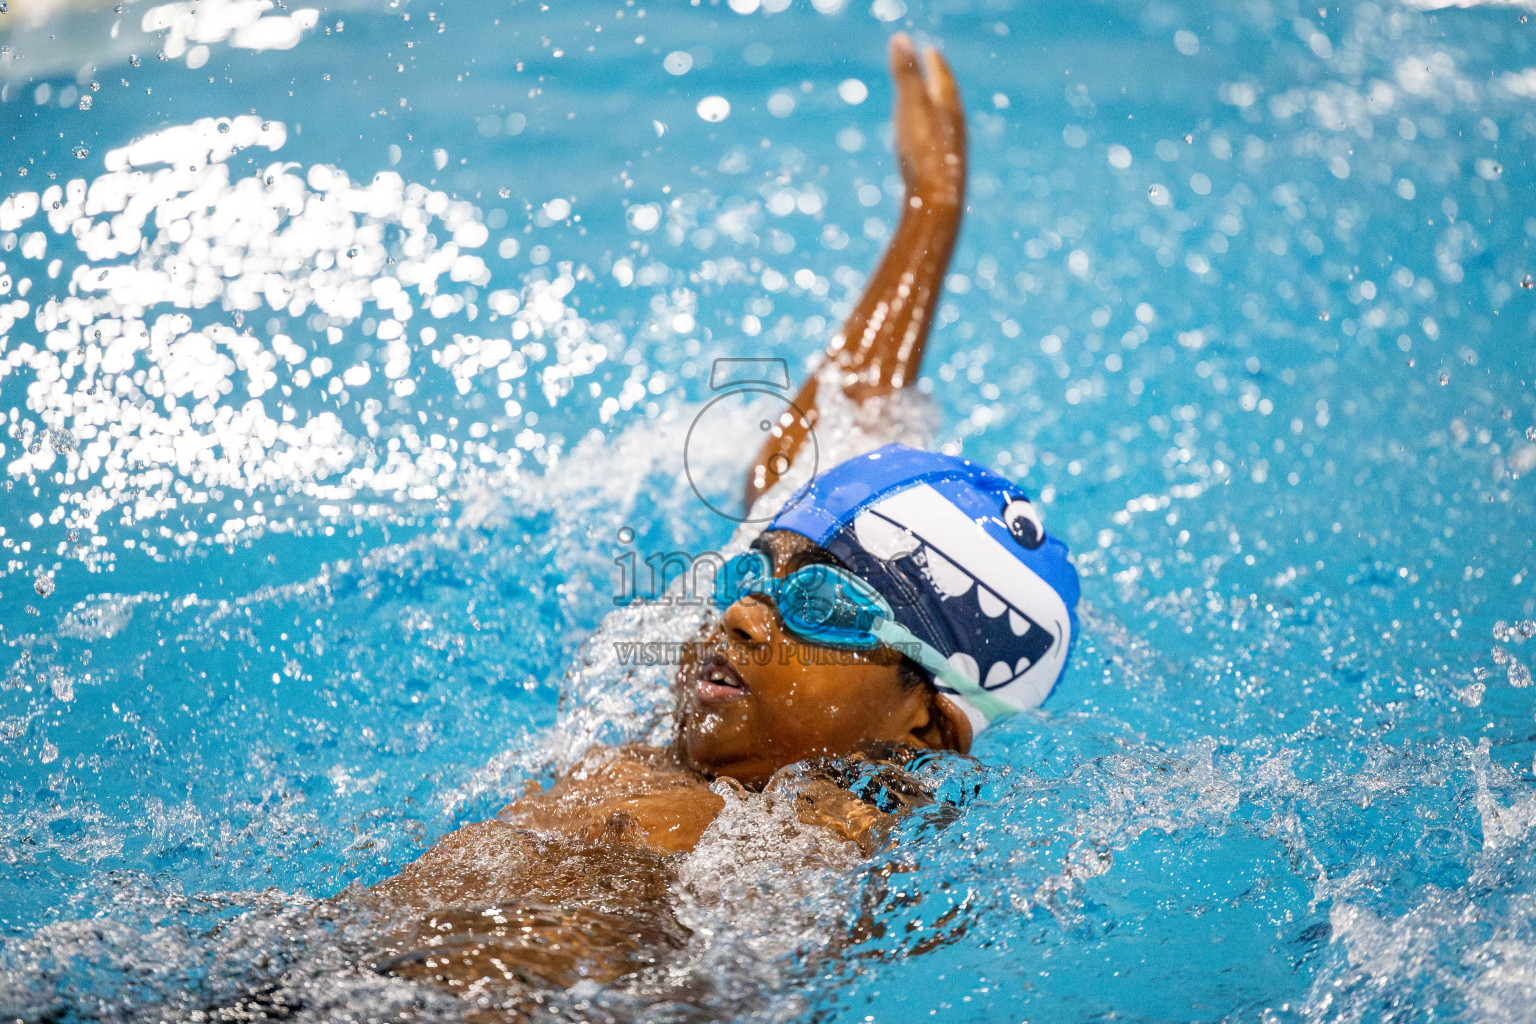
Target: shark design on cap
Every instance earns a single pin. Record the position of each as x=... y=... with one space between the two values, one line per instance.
x=963 y=560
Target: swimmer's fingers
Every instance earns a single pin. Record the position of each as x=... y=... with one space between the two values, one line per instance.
x=913 y=113
x=930 y=129
x=945 y=96
x=942 y=90
x=911 y=90
x=825 y=804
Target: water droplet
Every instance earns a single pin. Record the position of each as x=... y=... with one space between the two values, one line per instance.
x=239 y=319
x=1158 y=194
x=73 y=536
x=1322 y=315
x=1412 y=361
x=269 y=179
x=95 y=87
x=62 y=440
x=42 y=582
x=1188 y=138
x=714 y=108
x=351 y=254
x=1527 y=282
x=223 y=127
x=1519 y=675
x=1445 y=378
x=504 y=192
x=1530 y=433
x=57 y=204
x=85 y=103
x=163 y=55
x=133 y=59
x=266 y=126
x=81 y=152
x=117 y=9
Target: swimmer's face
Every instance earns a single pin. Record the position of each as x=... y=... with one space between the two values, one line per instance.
x=767 y=699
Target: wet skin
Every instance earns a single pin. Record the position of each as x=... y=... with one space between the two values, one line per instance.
x=573 y=882
x=766 y=699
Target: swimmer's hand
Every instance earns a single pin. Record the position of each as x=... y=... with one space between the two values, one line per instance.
x=859 y=797
x=880 y=346
x=930 y=125
x=824 y=803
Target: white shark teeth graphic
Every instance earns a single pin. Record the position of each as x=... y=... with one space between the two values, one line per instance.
x=999 y=674
x=966 y=665
x=991 y=605
x=903 y=527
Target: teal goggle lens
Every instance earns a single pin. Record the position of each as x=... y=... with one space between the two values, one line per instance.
x=823 y=604
x=826 y=604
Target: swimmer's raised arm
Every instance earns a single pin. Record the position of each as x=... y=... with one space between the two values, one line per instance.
x=880 y=346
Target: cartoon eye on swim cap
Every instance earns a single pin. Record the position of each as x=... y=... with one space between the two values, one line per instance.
x=1024 y=523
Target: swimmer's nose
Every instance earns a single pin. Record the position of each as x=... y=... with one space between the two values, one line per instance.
x=750 y=620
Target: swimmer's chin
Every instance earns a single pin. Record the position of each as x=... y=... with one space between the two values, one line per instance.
x=709 y=734
x=713 y=709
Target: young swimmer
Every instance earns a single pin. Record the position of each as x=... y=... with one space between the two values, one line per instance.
x=932 y=579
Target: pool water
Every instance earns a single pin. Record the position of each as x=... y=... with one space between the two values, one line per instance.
x=347 y=353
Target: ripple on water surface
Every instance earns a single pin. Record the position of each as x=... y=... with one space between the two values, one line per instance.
x=320 y=458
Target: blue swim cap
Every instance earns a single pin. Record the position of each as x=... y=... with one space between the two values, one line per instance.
x=961 y=555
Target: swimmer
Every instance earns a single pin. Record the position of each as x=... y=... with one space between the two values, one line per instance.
x=931 y=579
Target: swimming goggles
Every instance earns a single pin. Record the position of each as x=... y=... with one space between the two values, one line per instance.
x=828 y=605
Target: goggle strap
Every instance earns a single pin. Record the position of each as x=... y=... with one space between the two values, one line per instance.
x=895 y=635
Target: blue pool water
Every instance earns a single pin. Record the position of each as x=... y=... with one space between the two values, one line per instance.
x=404 y=311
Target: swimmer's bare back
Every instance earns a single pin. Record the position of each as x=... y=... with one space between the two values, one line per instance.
x=572 y=882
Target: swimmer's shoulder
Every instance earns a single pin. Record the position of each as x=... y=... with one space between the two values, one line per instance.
x=633 y=794
x=631 y=765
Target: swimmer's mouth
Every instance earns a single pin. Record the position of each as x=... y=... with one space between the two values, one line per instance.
x=718 y=681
